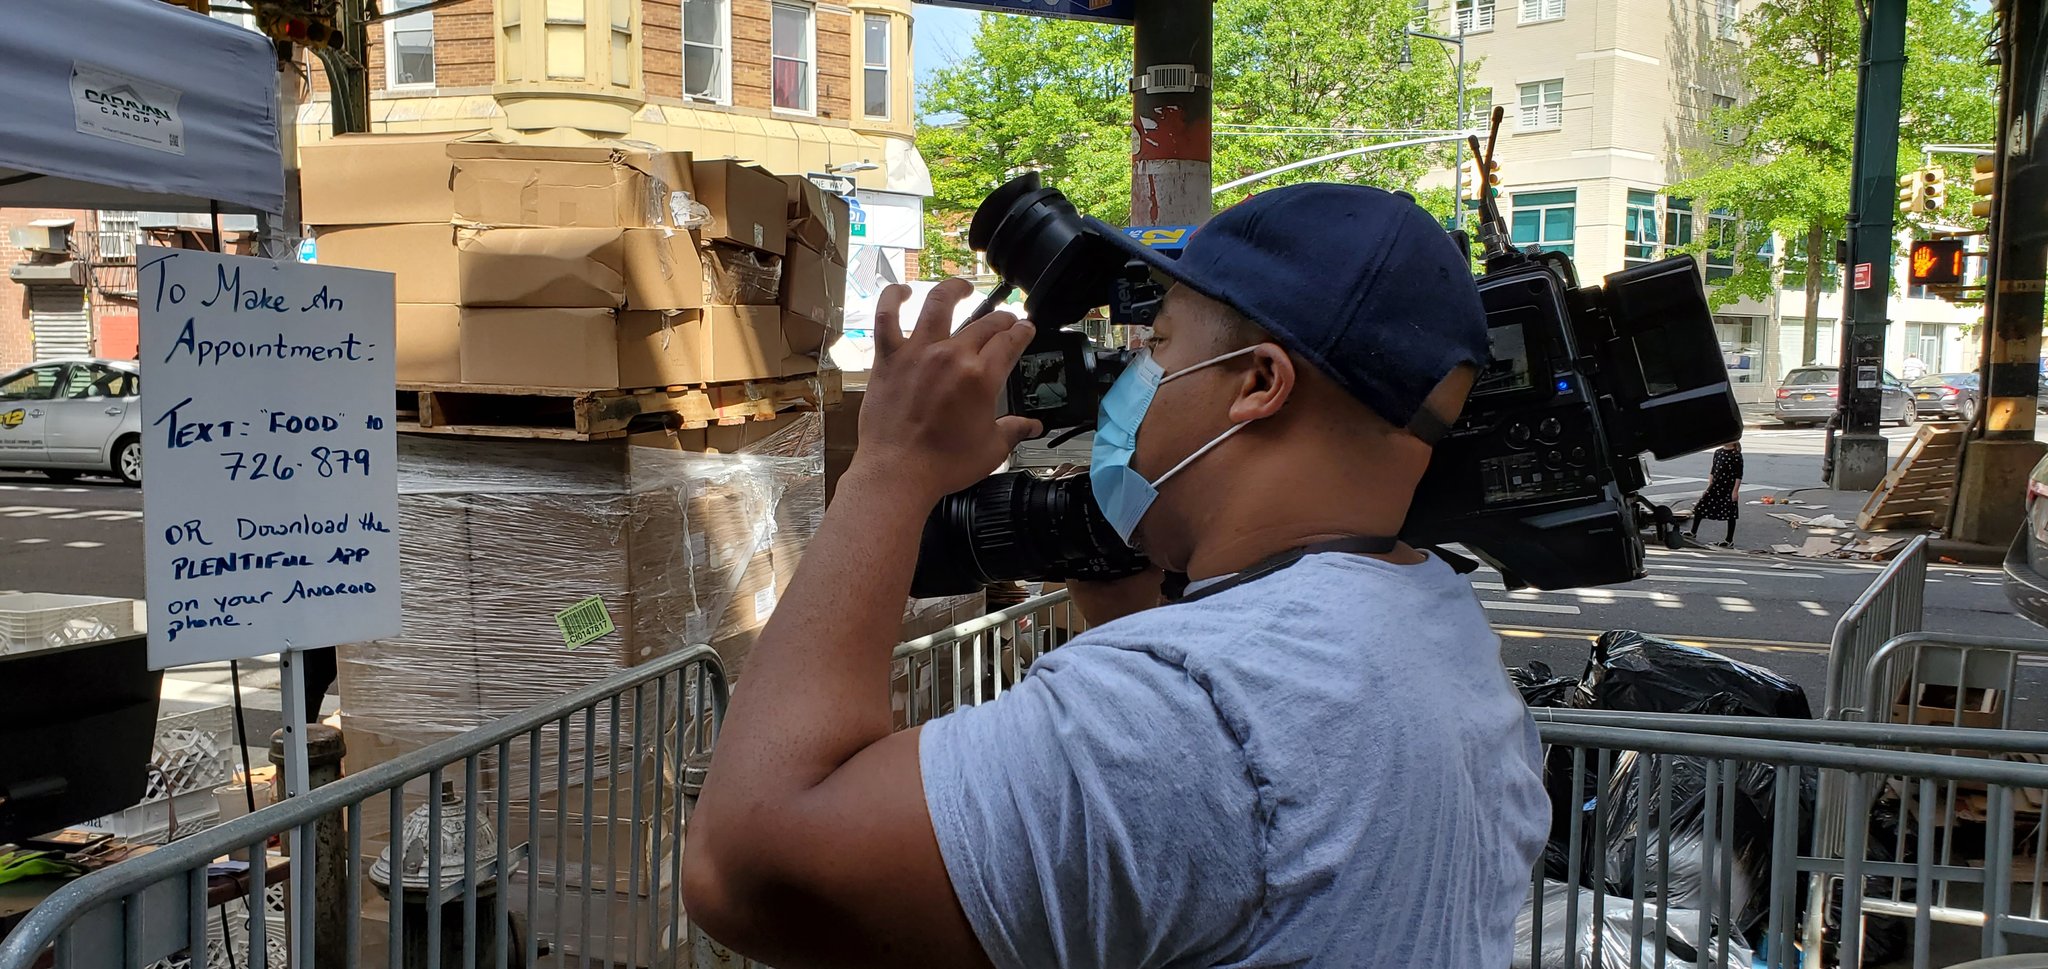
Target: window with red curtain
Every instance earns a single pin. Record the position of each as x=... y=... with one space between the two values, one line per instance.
x=791 y=40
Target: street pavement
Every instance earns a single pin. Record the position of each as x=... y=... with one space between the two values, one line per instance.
x=85 y=538
x=1775 y=611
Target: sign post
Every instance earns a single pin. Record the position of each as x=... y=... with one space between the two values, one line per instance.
x=270 y=509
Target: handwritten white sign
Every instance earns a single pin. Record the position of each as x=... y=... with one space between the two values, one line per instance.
x=270 y=494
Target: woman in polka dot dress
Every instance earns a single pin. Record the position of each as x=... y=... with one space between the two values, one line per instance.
x=1722 y=499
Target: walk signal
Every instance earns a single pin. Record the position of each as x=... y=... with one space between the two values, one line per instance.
x=1935 y=262
x=1934 y=189
x=1912 y=193
x=1983 y=185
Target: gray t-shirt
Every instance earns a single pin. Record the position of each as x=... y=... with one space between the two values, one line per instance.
x=1323 y=767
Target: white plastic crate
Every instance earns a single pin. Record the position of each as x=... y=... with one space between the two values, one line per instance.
x=33 y=620
x=193 y=752
x=150 y=821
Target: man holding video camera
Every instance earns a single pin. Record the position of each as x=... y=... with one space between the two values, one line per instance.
x=1311 y=756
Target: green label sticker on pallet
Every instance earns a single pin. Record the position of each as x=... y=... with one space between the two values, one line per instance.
x=584 y=622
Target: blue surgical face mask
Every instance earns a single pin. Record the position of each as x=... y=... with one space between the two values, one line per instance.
x=1120 y=491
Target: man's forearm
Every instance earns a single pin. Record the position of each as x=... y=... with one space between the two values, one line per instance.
x=816 y=684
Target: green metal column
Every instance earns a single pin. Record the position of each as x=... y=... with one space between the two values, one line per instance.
x=1860 y=455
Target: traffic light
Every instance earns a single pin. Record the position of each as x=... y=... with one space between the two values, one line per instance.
x=308 y=23
x=1935 y=262
x=1934 y=190
x=1983 y=185
x=1912 y=193
x=1475 y=182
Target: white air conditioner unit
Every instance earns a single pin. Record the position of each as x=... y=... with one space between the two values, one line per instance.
x=44 y=235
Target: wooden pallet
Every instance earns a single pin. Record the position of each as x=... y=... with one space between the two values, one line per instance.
x=1917 y=490
x=573 y=414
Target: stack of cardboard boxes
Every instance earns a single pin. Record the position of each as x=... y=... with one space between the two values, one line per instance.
x=562 y=270
x=590 y=267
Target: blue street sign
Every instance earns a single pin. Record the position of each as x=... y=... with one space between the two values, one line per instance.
x=1104 y=11
x=307 y=251
x=1170 y=239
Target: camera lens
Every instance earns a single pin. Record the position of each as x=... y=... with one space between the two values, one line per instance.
x=1015 y=526
x=1031 y=235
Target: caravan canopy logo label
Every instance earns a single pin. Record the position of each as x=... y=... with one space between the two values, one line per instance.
x=126 y=109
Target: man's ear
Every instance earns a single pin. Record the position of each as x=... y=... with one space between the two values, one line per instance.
x=1264 y=385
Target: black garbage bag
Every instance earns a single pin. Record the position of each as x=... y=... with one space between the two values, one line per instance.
x=1542 y=688
x=1616 y=946
x=1636 y=672
x=1684 y=866
x=1633 y=672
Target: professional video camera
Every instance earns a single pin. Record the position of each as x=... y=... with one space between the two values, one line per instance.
x=1540 y=476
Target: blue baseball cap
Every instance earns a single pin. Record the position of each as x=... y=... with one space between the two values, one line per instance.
x=1358 y=281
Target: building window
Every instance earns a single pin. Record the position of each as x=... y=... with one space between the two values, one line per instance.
x=1475 y=16
x=1542 y=105
x=1794 y=272
x=793 y=28
x=1639 y=242
x=707 y=59
x=1538 y=11
x=875 y=66
x=1677 y=224
x=118 y=232
x=1545 y=219
x=1418 y=15
x=1478 y=106
x=1722 y=236
x=409 y=46
x=1727 y=13
x=1723 y=125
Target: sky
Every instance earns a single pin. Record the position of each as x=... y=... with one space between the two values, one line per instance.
x=941 y=34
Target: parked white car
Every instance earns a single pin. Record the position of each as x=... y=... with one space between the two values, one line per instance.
x=71 y=417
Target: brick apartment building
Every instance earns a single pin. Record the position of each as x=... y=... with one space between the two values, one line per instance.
x=796 y=86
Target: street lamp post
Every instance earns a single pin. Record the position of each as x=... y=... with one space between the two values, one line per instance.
x=1457 y=147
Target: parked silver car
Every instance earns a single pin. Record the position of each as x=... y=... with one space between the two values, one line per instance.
x=71 y=417
x=1946 y=396
x=1808 y=395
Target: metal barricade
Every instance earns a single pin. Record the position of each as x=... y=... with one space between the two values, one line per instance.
x=1738 y=862
x=977 y=660
x=559 y=837
x=1676 y=847
x=1893 y=604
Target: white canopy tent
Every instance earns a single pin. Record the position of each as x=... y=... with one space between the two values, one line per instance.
x=135 y=104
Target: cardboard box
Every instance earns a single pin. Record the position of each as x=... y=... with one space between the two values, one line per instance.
x=814 y=287
x=1936 y=705
x=542 y=267
x=715 y=344
x=422 y=256
x=583 y=187
x=739 y=276
x=748 y=206
x=429 y=343
x=842 y=435
x=818 y=218
x=540 y=347
x=664 y=270
x=363 y=179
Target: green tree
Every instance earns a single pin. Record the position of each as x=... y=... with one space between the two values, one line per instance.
x=1053 y=96
x=1785 y=164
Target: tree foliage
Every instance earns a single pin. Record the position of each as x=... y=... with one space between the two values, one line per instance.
x=1053 y=95
x=1786 y=168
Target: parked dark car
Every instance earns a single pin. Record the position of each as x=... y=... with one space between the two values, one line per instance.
x=1946 y=396
x=1808 y=394
x=2026 y=563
